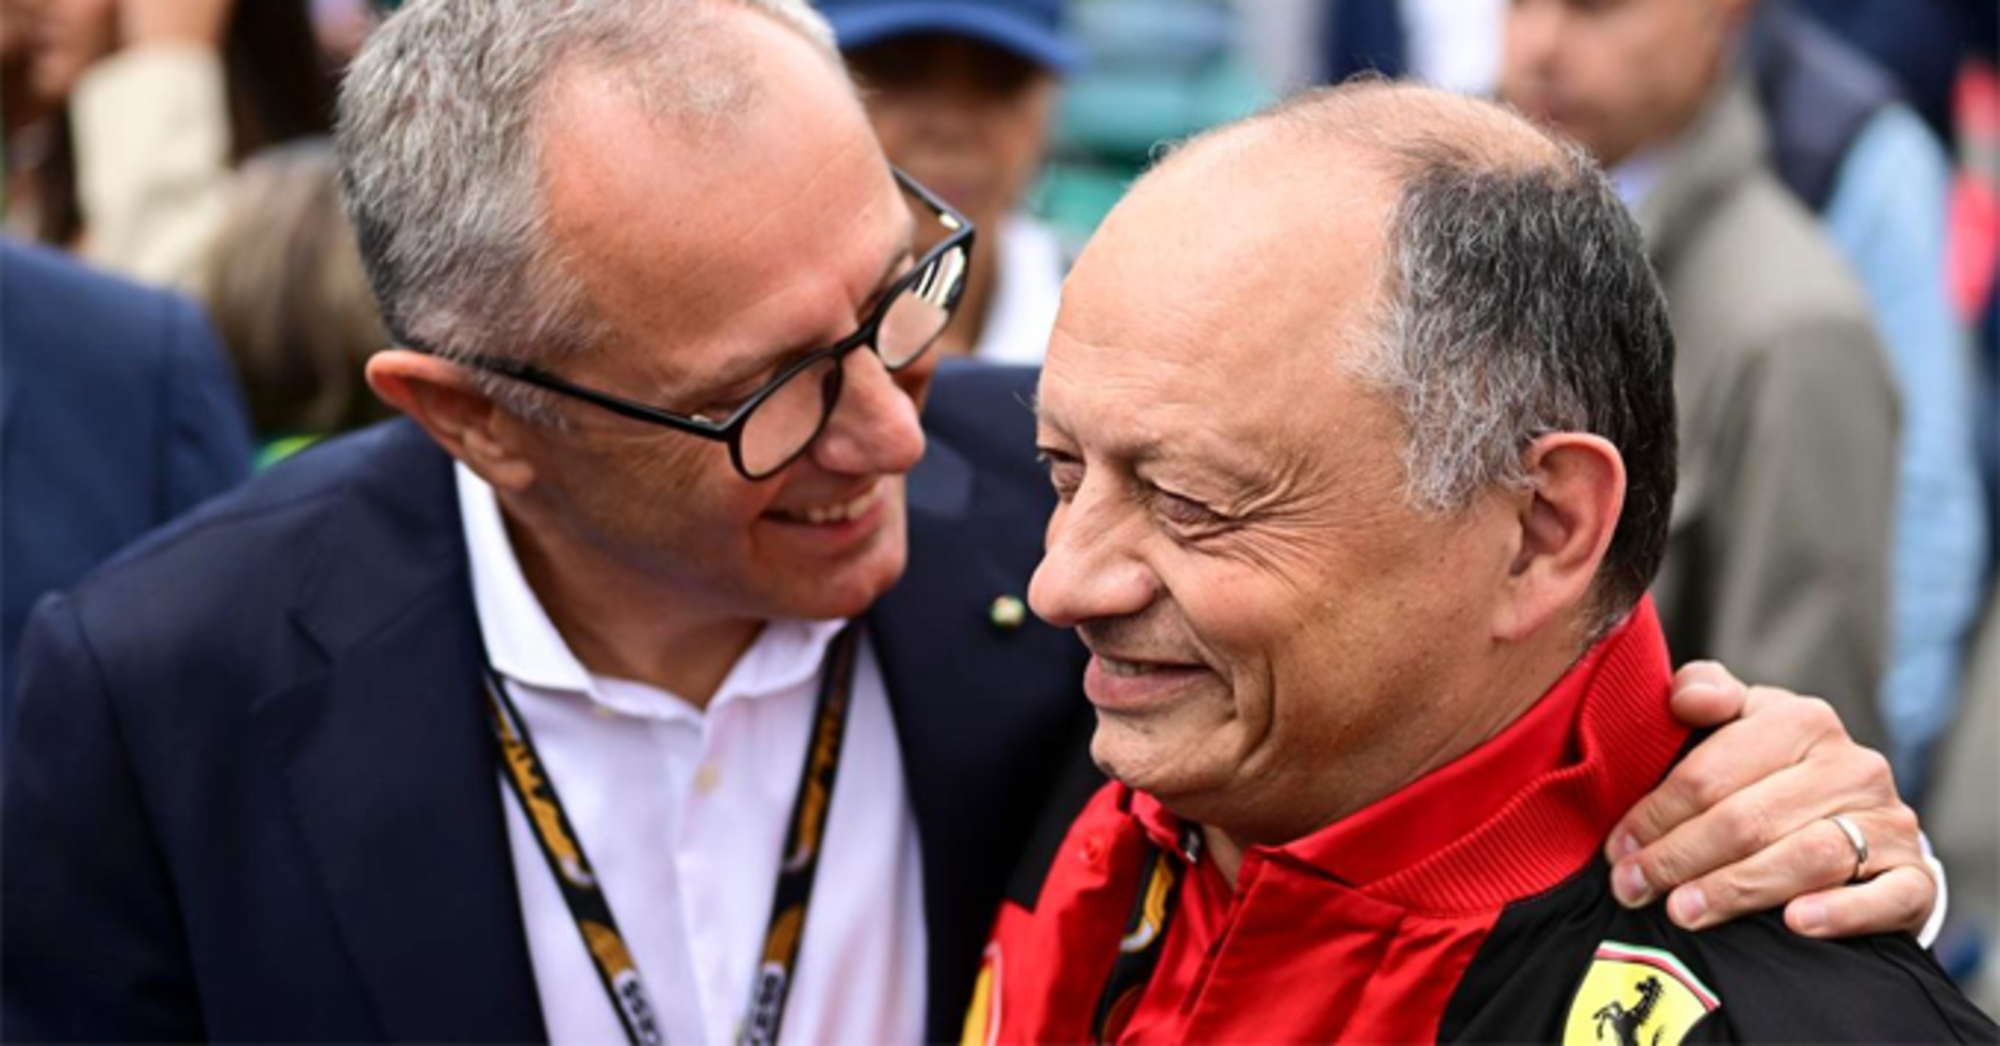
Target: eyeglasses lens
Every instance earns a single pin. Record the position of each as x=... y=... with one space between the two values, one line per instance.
x=792 y=415
x=919 y=314
x=785 y=422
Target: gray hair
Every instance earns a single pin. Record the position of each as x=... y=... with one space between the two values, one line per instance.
x=440 y=155
x=1517 y=300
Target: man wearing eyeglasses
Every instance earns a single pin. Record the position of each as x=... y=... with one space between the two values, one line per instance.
x=583 y=707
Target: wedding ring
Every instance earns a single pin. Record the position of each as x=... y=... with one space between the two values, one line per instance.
x=1858 y=841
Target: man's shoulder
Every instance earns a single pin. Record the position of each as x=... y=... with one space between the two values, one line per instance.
x=1777 y=986
x=359 y=473
x=239 y=560
x=980 y=484
x=94 y=362
x=1758 y=274
x=985 y=411
x=1567 y=963
x=51 y=296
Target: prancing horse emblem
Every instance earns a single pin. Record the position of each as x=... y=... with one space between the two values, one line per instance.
x=1625 y=1024
x=1636 y=996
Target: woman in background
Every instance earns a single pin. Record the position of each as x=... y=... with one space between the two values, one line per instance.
x=287 y=293
x=150 y=104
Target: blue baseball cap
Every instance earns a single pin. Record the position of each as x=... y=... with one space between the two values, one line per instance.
x=1032 y=29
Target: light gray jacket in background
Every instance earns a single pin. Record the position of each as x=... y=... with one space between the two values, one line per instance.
x=1778 y=557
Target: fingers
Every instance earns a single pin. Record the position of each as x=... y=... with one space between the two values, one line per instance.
x=1771 y=815
x=1817 y=857
x=1900 y=898
x=1741 y=825
x=1778 y=732
x=1706 y=694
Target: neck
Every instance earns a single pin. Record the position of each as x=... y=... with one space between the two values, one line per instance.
x=1476 y=707
x=1505 y=687
x=621 y=622
x=1676 y=126
x=1225 y=851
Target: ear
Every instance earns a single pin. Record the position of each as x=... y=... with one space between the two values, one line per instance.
x=440 y=396
x=1566 y=519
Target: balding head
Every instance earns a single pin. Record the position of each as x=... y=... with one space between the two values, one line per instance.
x=1513 y=297
x=1340 y=406
x=1394 y=125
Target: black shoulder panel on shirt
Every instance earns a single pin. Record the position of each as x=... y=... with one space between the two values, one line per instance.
x=1573 y=965
x=1779 y=987
x=1519 y=984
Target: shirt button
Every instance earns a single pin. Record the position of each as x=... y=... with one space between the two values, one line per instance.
x=706 y=778
x=1093 y=849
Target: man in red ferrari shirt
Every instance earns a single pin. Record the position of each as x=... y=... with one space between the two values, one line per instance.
x=1360 y=415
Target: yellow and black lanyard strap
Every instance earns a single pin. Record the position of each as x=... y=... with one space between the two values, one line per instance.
x=771 y=980
x=1145 y=937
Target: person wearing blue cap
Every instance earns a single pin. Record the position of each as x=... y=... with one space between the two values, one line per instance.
x=962 y=94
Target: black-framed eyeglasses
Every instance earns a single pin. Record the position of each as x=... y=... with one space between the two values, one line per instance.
x=776 y=423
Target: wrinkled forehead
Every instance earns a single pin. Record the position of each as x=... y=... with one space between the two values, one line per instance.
x=1234 y=268
x=1205 y=334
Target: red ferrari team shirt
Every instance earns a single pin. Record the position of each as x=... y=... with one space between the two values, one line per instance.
x=1470 y=905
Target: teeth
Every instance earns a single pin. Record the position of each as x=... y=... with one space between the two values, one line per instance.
x=840 y=513
x=1122 y=668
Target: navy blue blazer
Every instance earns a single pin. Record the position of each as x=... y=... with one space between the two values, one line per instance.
x=251 y=793
x=117 y=413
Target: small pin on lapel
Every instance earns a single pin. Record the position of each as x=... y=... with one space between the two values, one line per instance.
x=1007 y=613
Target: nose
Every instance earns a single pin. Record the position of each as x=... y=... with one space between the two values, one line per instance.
x=874 y=429
x=1091 y=565
x=954 y=108
x=944 y=118
x=1532 y=31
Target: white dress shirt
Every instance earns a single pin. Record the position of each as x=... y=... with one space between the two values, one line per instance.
x=1456 y=44
x=1027 y=292
x=1640 y=174
x=682 y=813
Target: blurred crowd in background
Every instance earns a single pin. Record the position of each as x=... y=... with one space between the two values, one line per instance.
x=1817 y=180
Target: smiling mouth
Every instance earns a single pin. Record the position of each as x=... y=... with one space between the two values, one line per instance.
x=1129 y=669
x=1120 y=687
x=838 y=512
x=1122 y=669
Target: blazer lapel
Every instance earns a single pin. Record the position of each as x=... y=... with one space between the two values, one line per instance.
x=388 y=765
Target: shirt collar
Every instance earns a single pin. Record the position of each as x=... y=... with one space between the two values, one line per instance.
x=1026 y=297
x=523 y=644
x=1639 y=175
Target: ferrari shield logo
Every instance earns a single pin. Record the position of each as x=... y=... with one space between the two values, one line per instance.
x=1636 y=996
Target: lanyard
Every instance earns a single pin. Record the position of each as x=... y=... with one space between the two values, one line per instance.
x=771 y=981
x=1145 y=937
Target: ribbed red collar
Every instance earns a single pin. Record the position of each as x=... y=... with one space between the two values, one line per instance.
x=1518 y=814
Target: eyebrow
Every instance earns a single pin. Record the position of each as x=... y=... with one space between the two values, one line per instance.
x=1044 y=421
